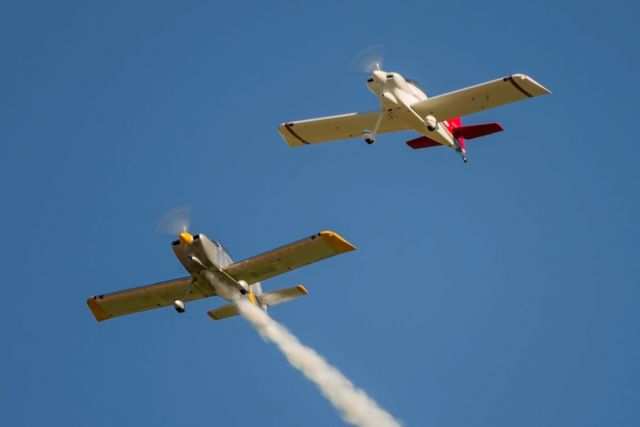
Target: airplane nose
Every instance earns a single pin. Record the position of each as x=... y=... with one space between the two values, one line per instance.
x=186 y=238
x=379 y=76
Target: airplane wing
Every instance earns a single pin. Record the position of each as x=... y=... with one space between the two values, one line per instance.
x=484 y=96
x=289 y=257
x=333 y=128
x=145 y=298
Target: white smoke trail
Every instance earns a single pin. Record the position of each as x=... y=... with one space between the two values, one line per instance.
x=353 y=404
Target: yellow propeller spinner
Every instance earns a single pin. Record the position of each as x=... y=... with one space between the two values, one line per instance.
x=185 y=238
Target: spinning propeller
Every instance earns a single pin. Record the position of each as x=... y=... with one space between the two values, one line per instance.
x=176 y=223
x=368 y=60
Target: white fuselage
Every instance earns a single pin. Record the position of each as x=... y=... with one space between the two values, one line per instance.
x=205 y=260
x=396 y=93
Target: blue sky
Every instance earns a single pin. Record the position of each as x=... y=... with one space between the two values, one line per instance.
x=502 y=292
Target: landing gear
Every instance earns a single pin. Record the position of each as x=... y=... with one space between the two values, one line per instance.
x=463 y=154
x=431 y=122
x=243 y=287
x=179 y=305
x=368 y=137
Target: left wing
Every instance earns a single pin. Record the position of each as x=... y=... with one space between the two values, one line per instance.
x=289 y=257
x=145 y=298
x=323 y=129
x=484 y=96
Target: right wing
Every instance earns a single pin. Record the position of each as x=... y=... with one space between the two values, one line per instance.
x=484 y=96
x=323 y=129
x=289 y=257
x=144 y=298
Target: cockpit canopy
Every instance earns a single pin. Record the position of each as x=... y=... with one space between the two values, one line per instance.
x=415 y=83
x=224 y=259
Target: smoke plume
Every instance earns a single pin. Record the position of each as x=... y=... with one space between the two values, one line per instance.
x=352 y=403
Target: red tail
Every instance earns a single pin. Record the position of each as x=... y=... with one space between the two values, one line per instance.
x=456 y=123
x=475 y=131
x=458 y=131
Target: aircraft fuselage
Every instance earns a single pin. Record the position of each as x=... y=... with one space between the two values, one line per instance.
x=398 y=94
x=204 y=259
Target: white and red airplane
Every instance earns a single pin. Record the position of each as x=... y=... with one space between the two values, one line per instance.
x=405 y=106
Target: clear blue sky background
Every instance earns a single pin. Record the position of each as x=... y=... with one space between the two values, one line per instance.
x=503 y=292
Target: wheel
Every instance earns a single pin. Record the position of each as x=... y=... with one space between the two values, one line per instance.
x=368 y=136
x=179 y=306
x=431 y=122
x=465 y=159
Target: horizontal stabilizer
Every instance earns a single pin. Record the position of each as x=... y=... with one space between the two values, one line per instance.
x=282 y=295
x=475 y=131
x=422 y=142
x=223 y=312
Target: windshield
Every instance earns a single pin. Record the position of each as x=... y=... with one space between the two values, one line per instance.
x=415 y=83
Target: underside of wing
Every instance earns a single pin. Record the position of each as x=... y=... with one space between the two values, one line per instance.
x=144 y=298
x=474 y=99
x=324 y=129
x=289 y=257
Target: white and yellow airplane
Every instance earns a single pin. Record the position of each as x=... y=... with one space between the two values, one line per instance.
x=405 y=106
x=212 y=272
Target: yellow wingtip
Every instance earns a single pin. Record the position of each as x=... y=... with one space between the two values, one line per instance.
x=337 y=242
x=302 y=290
x=98 y=312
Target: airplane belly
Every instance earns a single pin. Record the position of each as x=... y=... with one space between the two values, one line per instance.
x=221 y=285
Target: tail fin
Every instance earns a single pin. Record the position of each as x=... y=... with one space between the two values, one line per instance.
x=425 y=142
x=452 y=125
